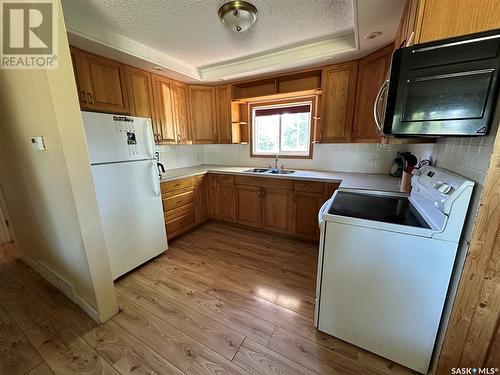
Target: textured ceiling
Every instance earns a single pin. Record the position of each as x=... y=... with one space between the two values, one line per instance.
x=191 y=31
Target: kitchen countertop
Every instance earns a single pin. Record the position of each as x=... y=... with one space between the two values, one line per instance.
x=369 y=181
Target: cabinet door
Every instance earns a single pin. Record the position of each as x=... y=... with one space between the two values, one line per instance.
x=181 y=118
x=306 y=208
x=277 y=210
x=201 y=199
x=163 y=109
x=202 y=112
x=104 y=83
x=407 y=24
x=339 y=88
x=78 y=71
x=223 y=110
x=249 y=205
x=140 y=92
x=213 y=196
x=227 y=202
x=372 y=71
x=330 y=188
x=447 y=18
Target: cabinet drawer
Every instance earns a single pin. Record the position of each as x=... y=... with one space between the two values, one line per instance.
x=308 y=186
x=178 y=200
x=225 y=178
x=265 y=182
x=170 y=187
x=181 y=223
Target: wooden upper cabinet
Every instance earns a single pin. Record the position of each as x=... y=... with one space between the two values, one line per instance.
x=440 y=19
x=103 y=82
x=140 y=92
x=223 y=114
x=202 y=114
x=164 y=111
x=371 y=74
x=339 y=88
x=181 y=115
x=77 y=69
x=407 y=24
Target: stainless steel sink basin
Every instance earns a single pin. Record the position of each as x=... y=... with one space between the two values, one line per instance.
x=257 y=170
x=281 y=171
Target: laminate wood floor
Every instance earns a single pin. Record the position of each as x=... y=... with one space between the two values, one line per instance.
x=221 y=300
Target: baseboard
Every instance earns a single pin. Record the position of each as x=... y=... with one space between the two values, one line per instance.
x=67 y=288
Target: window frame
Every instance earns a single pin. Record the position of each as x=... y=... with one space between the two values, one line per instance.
x=309 y=100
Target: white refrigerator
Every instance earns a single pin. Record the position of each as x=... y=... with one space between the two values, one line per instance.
x=121 y=150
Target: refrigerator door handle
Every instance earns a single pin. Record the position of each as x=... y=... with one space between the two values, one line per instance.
x=150 y=140
x=156 y=179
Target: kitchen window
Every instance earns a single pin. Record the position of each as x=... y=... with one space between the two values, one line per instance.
x=283 y=129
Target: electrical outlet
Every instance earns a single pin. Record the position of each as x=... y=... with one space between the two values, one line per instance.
x=38 y=143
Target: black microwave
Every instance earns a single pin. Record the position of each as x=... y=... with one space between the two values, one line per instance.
x=443 y=88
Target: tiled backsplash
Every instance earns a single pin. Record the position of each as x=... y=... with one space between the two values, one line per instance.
x=469 y=157
x=363 y=158
x=180 y=156
x=367 y=158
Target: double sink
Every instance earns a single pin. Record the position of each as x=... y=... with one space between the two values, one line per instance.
x=269 y=170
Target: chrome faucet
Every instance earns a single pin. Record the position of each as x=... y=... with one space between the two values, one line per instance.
x=276 y=164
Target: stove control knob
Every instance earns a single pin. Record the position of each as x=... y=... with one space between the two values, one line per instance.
x=444 y=189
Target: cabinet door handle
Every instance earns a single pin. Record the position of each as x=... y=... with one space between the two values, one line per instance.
x=91 y=100
x=82 y=97
x=178 y=138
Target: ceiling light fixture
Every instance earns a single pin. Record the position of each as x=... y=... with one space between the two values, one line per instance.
x=373 y=35
x=238 y=15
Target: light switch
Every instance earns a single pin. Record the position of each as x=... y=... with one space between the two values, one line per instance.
x=38 y=143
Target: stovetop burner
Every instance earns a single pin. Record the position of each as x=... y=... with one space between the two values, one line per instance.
x=388 y=209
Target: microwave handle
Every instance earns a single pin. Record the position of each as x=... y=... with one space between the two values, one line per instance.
x=378 y=102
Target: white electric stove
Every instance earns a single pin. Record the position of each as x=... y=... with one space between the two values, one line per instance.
x=385 y=263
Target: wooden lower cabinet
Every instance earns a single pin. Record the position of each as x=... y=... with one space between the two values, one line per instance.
x=305 y=215
x=249 y=205
x=179 y=205
x=213 y=196
x=277 y=210
x=227 y=202
x=275 y=205
x=201 y=199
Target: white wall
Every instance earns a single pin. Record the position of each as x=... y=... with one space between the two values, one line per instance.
x=49 y=194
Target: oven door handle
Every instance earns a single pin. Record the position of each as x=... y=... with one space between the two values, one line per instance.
x=376 y=107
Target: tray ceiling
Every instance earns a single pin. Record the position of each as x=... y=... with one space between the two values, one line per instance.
x=187 y=37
